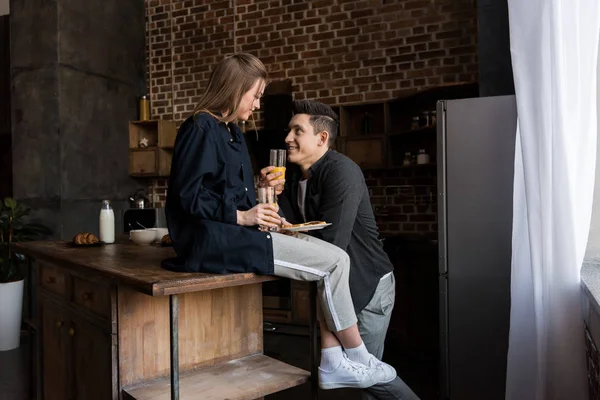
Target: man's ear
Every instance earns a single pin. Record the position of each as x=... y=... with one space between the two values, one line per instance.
x=323 y=138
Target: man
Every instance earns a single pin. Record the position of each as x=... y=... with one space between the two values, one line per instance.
x=324 y=185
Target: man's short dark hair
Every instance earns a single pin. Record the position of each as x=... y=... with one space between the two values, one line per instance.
x=322 y=117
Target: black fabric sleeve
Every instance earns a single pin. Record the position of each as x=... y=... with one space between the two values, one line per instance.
x=199 y=177
x=341 y=192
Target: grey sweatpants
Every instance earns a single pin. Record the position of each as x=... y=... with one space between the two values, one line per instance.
x=305 y=258
x=373 y=323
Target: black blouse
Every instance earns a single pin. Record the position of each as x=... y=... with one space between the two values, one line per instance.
x=211 y=178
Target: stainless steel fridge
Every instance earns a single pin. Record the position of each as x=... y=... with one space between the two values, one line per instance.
x=476 y=152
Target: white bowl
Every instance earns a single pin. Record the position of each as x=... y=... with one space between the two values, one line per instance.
x=159 y=232
x=142 y=236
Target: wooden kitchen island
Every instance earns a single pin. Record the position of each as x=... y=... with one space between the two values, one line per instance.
x=110 y=323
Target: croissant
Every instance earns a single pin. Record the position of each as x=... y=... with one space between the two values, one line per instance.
x=85 y=238
x=166 y=239
x=307 y=224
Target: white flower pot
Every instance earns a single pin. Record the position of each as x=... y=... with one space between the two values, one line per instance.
x=11 y=307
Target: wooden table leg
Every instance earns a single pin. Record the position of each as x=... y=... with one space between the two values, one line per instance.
x=314 y=348
x=174 y=332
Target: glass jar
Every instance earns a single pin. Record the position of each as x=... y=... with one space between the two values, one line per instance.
x=423 y=157
x=426 y=119
x=407 y=159
x=107 y=223
x=415 y=123
x=144 y=108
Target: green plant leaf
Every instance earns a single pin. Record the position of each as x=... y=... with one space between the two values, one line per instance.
x=20 y=211
x=12 y=217
x=10 y=202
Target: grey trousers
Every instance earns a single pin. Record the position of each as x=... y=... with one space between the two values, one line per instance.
x=305 y=258
x=373 y=323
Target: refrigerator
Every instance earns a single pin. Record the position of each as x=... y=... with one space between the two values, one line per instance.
x=475 y=163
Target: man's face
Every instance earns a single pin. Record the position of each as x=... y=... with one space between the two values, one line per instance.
x=304 y=146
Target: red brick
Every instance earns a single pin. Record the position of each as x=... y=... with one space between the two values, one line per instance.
x=297 y=7
x=336 y=17
x=375 y=62
x=314 y=53
x=448 y=34
x=323 y=36
x=351 y=98
x=310 y=21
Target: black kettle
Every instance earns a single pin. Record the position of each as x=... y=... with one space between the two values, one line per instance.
x=139 y=199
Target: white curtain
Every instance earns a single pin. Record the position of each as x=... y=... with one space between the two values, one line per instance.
x=554 y=46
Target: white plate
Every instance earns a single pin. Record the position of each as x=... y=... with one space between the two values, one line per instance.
x=306 y=228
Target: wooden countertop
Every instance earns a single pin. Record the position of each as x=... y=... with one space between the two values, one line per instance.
x=133 y=265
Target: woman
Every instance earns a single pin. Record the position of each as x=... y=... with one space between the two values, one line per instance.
x=213 y=219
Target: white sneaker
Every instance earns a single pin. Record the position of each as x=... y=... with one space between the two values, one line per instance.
x=350 y=374
x=389 y=373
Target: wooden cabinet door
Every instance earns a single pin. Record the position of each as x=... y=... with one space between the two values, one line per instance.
x=91 y=358
x=55 y=366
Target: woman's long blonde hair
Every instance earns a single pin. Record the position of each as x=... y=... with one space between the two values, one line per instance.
x=228 y=82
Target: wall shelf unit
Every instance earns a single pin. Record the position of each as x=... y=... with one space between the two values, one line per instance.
x=151 y=148
x=378 y=134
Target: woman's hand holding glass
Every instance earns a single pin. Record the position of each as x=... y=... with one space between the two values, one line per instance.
x=263 y=214
x=267 y=196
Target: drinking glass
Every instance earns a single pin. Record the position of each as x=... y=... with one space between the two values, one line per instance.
x=277 y=159
x=266 y=195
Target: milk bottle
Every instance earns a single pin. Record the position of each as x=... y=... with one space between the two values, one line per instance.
x=107 y=223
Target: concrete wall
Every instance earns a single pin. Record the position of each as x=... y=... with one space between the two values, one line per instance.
x=77 y=68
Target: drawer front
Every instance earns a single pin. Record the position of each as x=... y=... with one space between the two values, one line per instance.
x=92 y=295
x=53 y=278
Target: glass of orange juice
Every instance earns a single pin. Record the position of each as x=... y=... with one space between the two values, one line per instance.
x=277 y=159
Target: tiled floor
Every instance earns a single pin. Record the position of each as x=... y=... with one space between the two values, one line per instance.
x=290 y=348
x=416 y=371
x=14 y=375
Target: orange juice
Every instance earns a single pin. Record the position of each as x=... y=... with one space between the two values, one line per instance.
x=279 y=169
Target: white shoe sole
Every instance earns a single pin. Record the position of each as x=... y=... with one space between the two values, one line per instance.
x=341 y=385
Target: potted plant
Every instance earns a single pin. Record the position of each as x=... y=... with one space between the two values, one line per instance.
x=13 y=228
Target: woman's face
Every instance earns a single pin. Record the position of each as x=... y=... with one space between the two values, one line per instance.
x=251 y=100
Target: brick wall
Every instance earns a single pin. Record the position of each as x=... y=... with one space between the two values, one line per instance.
x=335 y=51
x=404 y=199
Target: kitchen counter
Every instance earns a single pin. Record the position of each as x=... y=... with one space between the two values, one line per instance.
x=590 y=281
x=107 y=327
x=136 y=266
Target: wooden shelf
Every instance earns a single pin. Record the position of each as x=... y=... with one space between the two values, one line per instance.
x=150 y=148
x=389 y=125
x=426 y=129
x=242 y=379
x=159 y=133
x=413 y=166
x=150 y=162
x=363 y=137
